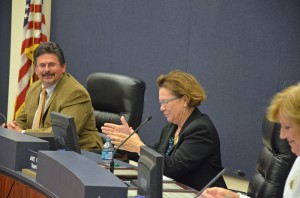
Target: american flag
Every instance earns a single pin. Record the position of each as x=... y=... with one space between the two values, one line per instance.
x=34 y=33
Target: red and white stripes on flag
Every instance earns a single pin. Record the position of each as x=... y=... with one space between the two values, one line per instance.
x=34 y=33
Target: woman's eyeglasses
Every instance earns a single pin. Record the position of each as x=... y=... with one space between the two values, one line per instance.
x=165 y=102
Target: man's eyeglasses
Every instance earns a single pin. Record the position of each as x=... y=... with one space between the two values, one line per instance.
x=43 y=65
x=165 y=102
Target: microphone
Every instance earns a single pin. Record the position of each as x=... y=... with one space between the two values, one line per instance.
x=112 y=163
x=237 y=172
x=4 y=118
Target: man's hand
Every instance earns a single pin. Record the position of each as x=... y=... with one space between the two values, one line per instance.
x=14 y=126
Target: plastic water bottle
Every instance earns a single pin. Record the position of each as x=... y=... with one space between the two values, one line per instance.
x=107 y=151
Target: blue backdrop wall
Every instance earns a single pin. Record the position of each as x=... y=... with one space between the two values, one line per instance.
x=5 y=29
x=242 y=52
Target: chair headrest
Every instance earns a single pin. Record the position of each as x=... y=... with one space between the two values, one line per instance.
x=114 y=92
x=114 y=95
x=271 y=138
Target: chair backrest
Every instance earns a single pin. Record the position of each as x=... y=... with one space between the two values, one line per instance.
x=114 y=95
x=273 y=165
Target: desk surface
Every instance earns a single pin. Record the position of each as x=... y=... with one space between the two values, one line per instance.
x=78 y=173
x=170 y=188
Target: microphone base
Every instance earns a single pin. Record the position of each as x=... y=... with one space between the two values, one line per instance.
x=112 y=166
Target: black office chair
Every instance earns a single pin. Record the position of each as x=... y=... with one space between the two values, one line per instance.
x=114 y=95
x=273 y=165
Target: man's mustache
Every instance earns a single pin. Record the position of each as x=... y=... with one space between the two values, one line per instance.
x=48 y=74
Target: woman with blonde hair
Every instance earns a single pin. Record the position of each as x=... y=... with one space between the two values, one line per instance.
x=284 y=109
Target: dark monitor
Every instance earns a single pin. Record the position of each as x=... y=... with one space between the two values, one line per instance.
x=64 y=131
x=150 y=173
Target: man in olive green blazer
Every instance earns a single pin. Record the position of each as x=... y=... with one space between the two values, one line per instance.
x=65 y=95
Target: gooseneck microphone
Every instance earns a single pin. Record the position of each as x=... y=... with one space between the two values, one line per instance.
x=4 y=118
x=112 y=163
x=237 y=172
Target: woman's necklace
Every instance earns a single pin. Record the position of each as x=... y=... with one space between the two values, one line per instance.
x=176 y=136
x=186 y=113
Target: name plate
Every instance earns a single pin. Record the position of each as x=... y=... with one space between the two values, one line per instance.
x=33 y=159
